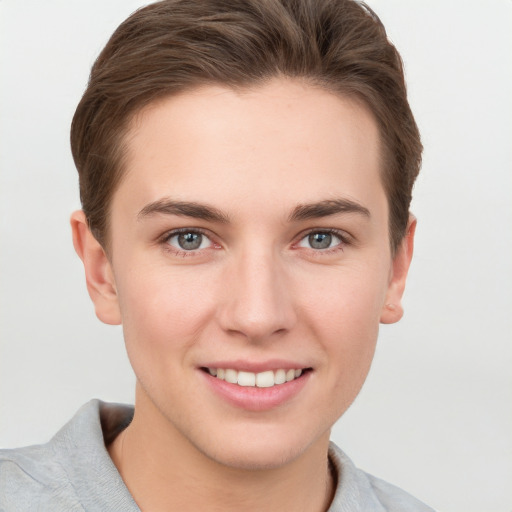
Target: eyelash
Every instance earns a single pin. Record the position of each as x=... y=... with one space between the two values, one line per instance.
x=341 y=235
x=164 y=241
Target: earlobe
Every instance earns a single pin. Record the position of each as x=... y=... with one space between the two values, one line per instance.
x=98 y=270
x=392 y=310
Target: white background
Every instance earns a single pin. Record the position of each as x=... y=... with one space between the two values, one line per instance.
x=435 y=416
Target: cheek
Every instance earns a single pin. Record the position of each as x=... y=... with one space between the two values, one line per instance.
x=346 y=300
x=349 y=332
x=344 y=316
x=163 y=312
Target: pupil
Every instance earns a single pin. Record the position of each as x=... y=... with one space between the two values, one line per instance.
x=190 y=241
x=320 y=240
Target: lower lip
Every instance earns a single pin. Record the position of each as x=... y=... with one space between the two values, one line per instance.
x=253 y=398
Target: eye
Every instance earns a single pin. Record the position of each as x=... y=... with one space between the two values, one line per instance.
x=321 y=240
x=189 y=240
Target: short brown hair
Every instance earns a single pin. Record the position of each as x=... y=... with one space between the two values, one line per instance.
x=175 y=45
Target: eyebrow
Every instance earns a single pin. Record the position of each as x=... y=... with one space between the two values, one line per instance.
x=326 y=208
x=209 y=213
x=185 y=209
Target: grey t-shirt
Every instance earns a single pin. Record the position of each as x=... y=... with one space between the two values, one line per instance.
x=74 y=472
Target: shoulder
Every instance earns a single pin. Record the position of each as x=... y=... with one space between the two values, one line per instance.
x=32 y=478
x=359 y=491
x=73 y=471
x=395 y=499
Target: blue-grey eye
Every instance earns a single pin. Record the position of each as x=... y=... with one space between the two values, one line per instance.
x=189 y=241
x=320 y=240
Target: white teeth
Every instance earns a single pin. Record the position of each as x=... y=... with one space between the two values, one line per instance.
x=231 y=376
x=246 y=379
x=265 y=379
x=280 y=377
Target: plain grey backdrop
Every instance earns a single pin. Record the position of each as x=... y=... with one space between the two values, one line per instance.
x=435 y=416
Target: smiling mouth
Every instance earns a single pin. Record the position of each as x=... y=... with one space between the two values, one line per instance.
x=266 y=379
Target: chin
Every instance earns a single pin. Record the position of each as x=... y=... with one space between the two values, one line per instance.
x=255 y=458
x=254 y=452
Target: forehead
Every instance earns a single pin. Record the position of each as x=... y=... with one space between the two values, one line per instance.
x=285 y=140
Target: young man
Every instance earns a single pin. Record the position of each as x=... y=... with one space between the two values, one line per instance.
x=245 y=174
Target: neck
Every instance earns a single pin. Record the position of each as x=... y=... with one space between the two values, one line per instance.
x=164 y=471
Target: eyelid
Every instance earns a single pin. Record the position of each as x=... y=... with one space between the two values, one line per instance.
x=345 y=238
x=178 y=231
x=164 y=240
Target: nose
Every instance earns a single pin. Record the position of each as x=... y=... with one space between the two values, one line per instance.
x=257 y=299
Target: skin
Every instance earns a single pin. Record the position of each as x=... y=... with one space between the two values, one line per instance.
x=256 y=289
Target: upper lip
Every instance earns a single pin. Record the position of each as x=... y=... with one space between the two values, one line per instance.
x=256 y=366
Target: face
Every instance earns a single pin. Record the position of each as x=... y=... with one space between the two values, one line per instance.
x=250 y=266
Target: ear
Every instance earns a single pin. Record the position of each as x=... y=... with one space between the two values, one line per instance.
x=392 y=310
x=98 y=270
